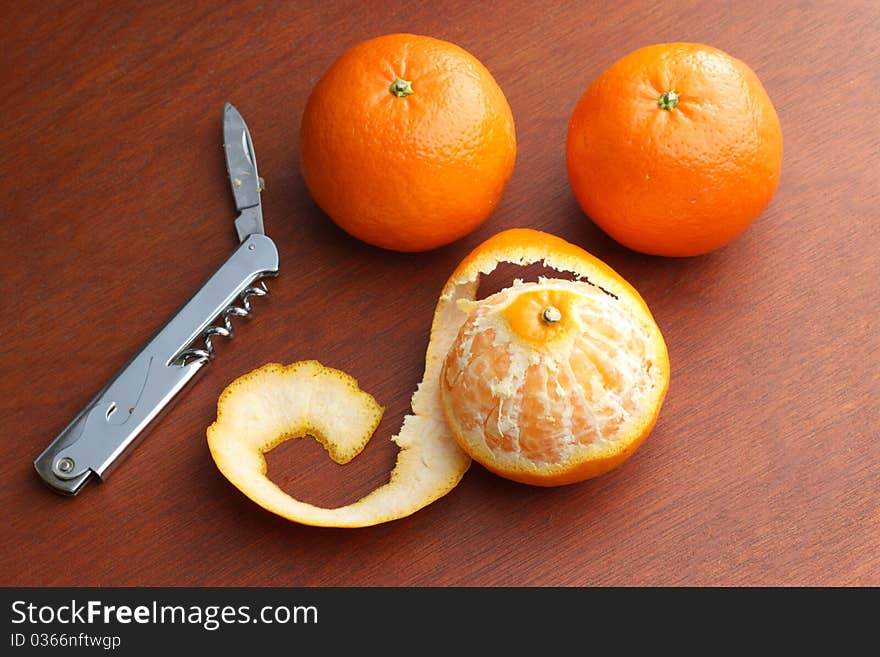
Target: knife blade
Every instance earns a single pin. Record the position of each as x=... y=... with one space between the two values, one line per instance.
x=241 y=164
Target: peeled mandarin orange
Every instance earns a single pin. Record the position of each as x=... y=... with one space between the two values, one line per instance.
x=675 y=149
x=407 y=142
x=557 y=381
x=581 y=361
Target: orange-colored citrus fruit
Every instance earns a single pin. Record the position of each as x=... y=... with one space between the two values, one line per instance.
x=675 y=149
x=556 y=381
x=407 y=142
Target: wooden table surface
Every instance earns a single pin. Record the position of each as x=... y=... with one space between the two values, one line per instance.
x=764 y=468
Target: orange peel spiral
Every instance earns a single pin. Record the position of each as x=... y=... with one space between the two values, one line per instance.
x=261 y=409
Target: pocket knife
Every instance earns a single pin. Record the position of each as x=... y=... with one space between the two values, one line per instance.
x=110 y=425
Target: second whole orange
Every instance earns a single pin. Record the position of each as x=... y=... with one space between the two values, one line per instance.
x=675 y=149
x=407 y=142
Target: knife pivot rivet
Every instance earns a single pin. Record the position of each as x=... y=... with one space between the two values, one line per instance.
x=251 y=247
x=65 y=465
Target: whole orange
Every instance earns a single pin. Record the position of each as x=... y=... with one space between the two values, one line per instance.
x=675 y=149
x=407 y=142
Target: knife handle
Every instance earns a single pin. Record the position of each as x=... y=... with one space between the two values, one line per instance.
x=104 y=431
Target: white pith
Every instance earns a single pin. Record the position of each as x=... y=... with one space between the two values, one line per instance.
x=618 y=341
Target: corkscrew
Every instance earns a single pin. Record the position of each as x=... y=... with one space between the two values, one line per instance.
x=225 y=329
x=117 y=417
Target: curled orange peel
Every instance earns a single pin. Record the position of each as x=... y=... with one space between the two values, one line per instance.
x=261 y=409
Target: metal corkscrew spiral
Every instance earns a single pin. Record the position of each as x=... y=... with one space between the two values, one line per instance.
x=225 y=329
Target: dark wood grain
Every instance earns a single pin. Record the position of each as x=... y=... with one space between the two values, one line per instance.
x=763 y=469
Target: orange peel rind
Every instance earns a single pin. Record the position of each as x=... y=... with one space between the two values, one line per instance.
x=273 y=403
x=263 y=408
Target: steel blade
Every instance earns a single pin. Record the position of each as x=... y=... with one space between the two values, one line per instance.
x=241 y=163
